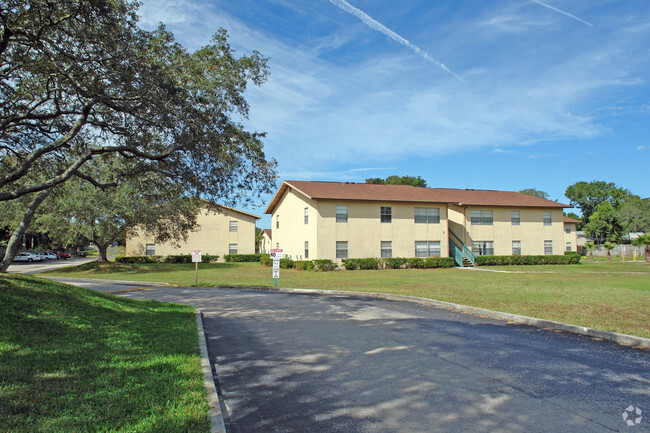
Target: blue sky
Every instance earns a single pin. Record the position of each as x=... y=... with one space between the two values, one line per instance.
x=506 y=94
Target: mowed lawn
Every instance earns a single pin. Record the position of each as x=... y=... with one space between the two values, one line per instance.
x=73 y=360
x=612 y=296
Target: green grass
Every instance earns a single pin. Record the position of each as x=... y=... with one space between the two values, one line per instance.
x=612 y=296
x=72 y=360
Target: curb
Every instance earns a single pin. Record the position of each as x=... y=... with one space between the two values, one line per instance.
x=623 y=339
x=214 y=412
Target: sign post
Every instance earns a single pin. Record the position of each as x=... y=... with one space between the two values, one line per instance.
x=276 y=255
x=196 y=259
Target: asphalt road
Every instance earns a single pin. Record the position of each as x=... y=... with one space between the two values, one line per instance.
x=313 y=363
x=45 y=265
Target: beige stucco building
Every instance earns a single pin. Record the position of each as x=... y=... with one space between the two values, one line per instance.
x=571 y=233
x=265 y=242
x=219 y=232
x=331 y=220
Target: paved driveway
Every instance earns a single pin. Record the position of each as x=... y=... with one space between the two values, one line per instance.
x=313 y=363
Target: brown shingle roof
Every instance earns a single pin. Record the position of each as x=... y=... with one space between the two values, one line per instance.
x=571 y=220
x=405 y=193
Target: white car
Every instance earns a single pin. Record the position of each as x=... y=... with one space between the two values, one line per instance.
x=51 y=256
x=27 y=257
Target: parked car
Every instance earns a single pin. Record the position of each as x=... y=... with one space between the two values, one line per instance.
x=27 y=257
x=62 y=255
x=51 y=255
x=41 y=254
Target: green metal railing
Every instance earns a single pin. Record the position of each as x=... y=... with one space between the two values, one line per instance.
x=459 y=254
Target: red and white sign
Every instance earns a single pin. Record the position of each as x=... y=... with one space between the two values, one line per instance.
x=277 y=254
x=196 y=256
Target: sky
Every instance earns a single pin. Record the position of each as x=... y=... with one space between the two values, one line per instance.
x=494 y=94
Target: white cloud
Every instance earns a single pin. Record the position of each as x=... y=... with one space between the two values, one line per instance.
x=640 y=148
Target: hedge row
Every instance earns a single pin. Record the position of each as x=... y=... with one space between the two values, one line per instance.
x=302 y=265
x=182 y=258
x=240 y=258
x=571 y=259
x=399 y=262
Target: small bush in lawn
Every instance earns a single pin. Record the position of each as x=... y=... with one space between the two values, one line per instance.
x=304 y=265
x=265 y=260
x=325 y=265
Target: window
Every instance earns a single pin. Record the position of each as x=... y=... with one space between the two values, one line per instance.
x=386 y=214
x=548 y=220
x=277 y=221
x=306 y=249
x=277 y=245
x=232 y=248
x=341 y=214
x=482 y=217
x=232 y=226
x=483 y=248
x=548 y=247
x=427 y=248
x=568 y=246
x=150 y=250
x=386 y=249
x=306 y=215
x=515 y=217
x=567 y=229
x=341 y=249
x=427 y=215
x=516 y=248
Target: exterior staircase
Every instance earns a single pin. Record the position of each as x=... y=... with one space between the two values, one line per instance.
x=463 y=256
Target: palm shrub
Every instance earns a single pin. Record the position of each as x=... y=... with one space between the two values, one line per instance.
x=609 y=246
x=590 y=246
x=643 y=242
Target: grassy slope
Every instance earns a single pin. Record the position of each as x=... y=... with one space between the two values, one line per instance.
x=76 y=360
x=612 y=296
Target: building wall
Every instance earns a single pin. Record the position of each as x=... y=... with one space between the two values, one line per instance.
x=531 y=232
x=212 y=236
x=265 y=244
x=291 y=233
x=572 y=236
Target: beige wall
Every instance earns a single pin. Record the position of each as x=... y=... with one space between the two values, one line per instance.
x=292 y=232
x=571 y=237
x=265 y=243
x=531 y=231
x=211 y=237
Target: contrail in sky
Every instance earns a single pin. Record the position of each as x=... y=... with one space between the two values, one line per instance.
x=561 y=12
x=376 y=25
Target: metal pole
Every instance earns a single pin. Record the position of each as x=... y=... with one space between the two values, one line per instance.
x=196 y=273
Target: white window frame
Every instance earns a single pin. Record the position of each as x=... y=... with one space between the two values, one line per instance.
x=567 y=230
x=386 y=249
x=516 y=248
x=277 y=221
x=233 y=249
x=150 y=250
x=306 y=249
x=548 y=248
x=342 y=249
x=233 y=226
x=568 y=246
x=483 y=248
x=306 y=215
x=482 y=217
x=427 y=248
x=426 y=215
x=386 y=214
x=342 y=213
x=515 y=217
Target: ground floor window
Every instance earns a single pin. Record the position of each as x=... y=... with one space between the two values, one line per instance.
x=427 y=248
x=306 y=248
x=150 y=250
x=548 y=247
x=341 y=249
x=483 y=248
x=232 y=249
x=516 y=248
x=568 y=246
x=386 y=249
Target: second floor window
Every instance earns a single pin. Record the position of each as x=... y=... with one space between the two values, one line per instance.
x=548 y=220
x=386 y=214
x=306 y=215
x=341 y=214
x=515 y=217
x=232 y=226
x=277 y=221
x=482 y=217
x=427 y=215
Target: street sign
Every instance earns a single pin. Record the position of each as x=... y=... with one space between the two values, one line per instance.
x=196 y=256
x=276 y=254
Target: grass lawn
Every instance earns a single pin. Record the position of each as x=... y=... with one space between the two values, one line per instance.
x=72 y=360
x=612 y=296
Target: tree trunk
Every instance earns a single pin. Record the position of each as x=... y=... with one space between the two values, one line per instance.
x=609 y=256
x=14 y=242
x=103 y=248
x=647 y=254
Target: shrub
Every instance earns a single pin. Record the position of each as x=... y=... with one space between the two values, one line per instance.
x=181 y=258
x=304 y=265
x=325 y=265
x=415 y=263
x=439 y=262
x=287 y=264
x=362 y=264
x=569 y=259
x=240 y=258
x=265 y=260
x=394 y=262
x=139 y=259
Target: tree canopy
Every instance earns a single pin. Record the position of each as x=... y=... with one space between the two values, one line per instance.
x=80 y=79
x=587 y=196
x=535 y=193
x=399 y=180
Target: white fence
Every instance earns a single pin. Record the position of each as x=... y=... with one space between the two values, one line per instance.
x=618 y=251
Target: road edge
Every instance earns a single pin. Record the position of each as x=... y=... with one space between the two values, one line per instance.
x=623 y=339
x=215 y=416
